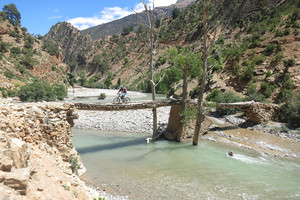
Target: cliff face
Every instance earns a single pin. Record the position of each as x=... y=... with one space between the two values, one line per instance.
x=37 y=158
x=75 y=45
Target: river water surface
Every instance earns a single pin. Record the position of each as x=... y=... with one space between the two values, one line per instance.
x=123 y=164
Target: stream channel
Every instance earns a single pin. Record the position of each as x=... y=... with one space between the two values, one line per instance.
x=123 y=164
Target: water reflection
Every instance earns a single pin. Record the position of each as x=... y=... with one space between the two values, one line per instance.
x=123 y=164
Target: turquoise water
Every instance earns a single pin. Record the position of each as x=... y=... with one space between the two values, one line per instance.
x=124 y=164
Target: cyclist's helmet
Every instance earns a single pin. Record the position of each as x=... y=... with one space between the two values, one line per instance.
x=121 y=86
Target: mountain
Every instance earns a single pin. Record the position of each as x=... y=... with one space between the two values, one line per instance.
x=76 y=46
x=254 y=53
x=25 y=58
x=117 y=26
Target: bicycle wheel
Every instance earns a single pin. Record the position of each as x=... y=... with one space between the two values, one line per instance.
x=116 y=100
x=126 y=100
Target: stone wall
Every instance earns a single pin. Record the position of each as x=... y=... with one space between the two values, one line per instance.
x=260 y=112
x=35 y=147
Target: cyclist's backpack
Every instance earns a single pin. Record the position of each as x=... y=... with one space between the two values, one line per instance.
x=124 y=89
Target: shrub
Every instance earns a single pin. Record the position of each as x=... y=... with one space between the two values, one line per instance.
x=253 y=94
x=74 y=164
x=224 y=97
x=269 y=49
x=287 y=31
x=60 y=91
x=4 y=46
x=258 y=60
x=289 y=62
x=27 y=61
x=268 y=74
x=286 y=91
x=4 y=92
x=36 y=91
x=266 y=89
x=279 y=33
x=213 y=95
x=102 y=96
x=15 y=51
x=12 y=93
x=8 y=74
x=290 y=112
x=51 y=48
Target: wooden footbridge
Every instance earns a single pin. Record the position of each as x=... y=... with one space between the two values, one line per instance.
x=254 y=111
x=128 y=106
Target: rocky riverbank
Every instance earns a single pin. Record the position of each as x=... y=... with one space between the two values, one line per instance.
x=37 y=158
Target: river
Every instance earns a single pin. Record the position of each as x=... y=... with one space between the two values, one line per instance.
x=123 y=164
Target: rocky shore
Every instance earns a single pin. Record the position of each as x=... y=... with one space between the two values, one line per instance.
x=37 y=158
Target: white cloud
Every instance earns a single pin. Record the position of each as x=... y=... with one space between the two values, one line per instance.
x=55 y=17
x=106 y=15
x=113 y=13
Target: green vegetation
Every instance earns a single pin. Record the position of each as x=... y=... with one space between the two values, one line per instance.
x=223 y=97
x=74 y=165
x=12 y=14
x=253 y=95
x=286 y=91
x=290 y=112
x=42 y=91
x=51 y=48
x=102 y=96
x=127 y=30
x=266 y=89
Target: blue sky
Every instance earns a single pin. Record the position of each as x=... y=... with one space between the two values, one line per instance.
x=38 y=16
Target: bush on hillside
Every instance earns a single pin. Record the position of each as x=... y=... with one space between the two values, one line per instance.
x=286 y=91
x=37 y=91
x=253 y=95
x=290 y=112
x=51 y=48
x=224 y=97
x=60 y=91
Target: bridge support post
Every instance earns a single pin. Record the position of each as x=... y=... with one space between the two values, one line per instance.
x=175 y=126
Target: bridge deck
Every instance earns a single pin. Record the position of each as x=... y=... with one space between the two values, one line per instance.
x=129 y=106
x=245 y=104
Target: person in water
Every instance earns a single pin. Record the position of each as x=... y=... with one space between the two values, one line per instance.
x=123 y=90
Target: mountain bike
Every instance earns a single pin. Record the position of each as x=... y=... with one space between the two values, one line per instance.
x=119 y=99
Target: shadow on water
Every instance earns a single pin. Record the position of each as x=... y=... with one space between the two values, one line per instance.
x=224 y=128
x=105 y=147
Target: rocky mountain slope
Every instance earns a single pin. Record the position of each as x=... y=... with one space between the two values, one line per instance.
x=117 y=26
x=75 y=45
x=24 y=58
x=255 y=50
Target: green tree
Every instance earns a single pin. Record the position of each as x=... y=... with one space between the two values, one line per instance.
x=186 y=61
x=12 y=13
x=37 y=91
x=175 y=13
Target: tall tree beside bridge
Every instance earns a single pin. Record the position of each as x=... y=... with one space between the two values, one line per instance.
x=153 y=36
x=205 y=49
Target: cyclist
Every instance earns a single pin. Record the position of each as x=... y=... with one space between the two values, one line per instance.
x=123 y=90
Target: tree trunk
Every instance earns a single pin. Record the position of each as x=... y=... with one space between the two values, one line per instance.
x=200 y=115
x=183 y=104
x=152 y=70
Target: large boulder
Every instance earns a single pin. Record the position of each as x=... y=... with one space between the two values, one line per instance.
x=20 y=153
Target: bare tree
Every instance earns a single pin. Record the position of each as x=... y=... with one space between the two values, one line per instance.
x=200 y=115
x=153 y=38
